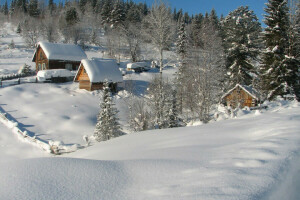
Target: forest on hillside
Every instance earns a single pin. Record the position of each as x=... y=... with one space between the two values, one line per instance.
x=214 y=53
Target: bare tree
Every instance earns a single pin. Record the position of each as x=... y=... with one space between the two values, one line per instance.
x=50 y=27
x=31 y=31
x=206 y=72
x=158 y=26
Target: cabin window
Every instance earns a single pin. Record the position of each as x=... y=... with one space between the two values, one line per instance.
x=41 y=56
x=43 y=66
x=39 y=66
x=84 y=71
x=69 y=67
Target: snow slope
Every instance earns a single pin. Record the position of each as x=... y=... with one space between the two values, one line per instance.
x=242 y=158
x=12 y=148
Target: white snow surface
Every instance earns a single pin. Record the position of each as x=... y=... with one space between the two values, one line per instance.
x=56 y=51
x=242 y=158
x=253 y=156
x=100 y=70
x=46 y=74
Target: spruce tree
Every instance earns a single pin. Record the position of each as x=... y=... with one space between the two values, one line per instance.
x=5 y=8
x=33 y=9
x=275 y=70
x=241 y=30
x=117 y=14
x=107 y=126
x=173 y=112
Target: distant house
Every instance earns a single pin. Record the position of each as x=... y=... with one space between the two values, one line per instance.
x=241 y=96
x=57 y=56
x=93 y=73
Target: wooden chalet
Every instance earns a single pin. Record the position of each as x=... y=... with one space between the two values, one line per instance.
x=57 y=56
x=241 y=96
x=93 y=73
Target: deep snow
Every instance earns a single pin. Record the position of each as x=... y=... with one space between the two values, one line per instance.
x=254 y=156
x=242 y=158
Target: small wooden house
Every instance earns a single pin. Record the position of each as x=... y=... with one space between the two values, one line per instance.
x=93 y=73
x=241 y=96
x=57 y=56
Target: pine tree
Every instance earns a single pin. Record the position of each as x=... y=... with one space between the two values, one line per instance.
x=5 y=8
x=106 y=12
x=33 y=9
x=19 y=30
x=173 y=112
x=241 y=29
x=195 y=31
x=182 y=41
x=117 y=14
x=275 y=70
x=71 y=16
x=107 y=126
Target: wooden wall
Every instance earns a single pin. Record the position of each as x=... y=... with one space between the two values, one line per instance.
x=41 y=59
x=239 y=97
x=52 y=64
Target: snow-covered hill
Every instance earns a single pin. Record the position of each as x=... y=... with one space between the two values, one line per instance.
x=243 y=158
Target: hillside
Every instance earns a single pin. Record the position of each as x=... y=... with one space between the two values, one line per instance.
x=243 y=158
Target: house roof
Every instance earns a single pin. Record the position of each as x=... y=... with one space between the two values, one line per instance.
x=100 y=70
x=55 y=51
x=250 y=90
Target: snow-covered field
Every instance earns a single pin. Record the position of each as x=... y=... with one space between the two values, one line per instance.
x=243 y=158
x=254 y=156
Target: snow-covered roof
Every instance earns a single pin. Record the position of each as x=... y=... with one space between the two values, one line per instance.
x=250 y=90
x=137 y=65
x=100 y=70
x=55 y=51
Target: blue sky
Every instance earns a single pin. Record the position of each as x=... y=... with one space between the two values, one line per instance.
x=221 y=6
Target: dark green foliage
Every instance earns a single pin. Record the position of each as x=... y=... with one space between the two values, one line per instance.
x=5 y=8
x=33 y=9
x=182 y=41
x=277 y=66
x=107 y=126
x=71 y=16
x=241 y=40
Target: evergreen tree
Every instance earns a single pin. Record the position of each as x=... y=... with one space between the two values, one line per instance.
x=19 y=30
x=117 y=14
x=71 y=16
x=241 y=29
x=33 y=9
x=182 y=41
x=275 y=69
x=174 y=120
x=106 y=12
x=195 y=30
x=107 y=126
x=5 y=8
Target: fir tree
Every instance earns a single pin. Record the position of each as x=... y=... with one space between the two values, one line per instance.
x=71 y=16
x=106 y=12
x=33 y=9
x=275 y=70
x=117 y=14
x=107 y=126
x=5 y=8
x=241 y=29
x=174 y=120
x=182 y=42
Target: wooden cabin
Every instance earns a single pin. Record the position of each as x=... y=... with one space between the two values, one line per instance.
x=93 y=73
x=57 y=56
x=241 y=96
